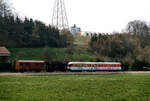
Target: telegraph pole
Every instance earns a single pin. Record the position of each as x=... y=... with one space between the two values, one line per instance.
x=59 y=18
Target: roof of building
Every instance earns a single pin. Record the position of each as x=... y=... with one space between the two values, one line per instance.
x=4 y=51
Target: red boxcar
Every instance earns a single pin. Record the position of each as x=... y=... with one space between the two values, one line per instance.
x=30 y=65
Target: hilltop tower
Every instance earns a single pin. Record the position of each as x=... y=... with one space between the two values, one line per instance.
x=59 y=18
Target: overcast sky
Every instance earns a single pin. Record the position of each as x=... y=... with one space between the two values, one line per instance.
x=90 y=15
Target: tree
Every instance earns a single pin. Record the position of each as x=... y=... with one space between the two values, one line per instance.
x=15 y=32
x=67 y=37
x=3 y=37
x=112 y=46
x=138 y=27
x=5 y=8
x=46 y=54
x=5 y=12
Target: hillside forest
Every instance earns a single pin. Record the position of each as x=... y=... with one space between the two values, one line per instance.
x=18 y=33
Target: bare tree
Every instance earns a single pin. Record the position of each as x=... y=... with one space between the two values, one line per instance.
x=138 y=27
x=5 y=9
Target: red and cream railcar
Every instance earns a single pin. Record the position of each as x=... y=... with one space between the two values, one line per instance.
x=94 y=66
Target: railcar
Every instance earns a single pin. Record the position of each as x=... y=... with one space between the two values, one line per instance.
x=30 y=65
x=94 y=66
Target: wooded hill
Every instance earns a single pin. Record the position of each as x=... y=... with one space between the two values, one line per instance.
x=17 y=32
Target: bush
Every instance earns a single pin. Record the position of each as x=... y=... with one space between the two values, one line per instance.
x=138 y=65
x=125 y=66
x=5 y=67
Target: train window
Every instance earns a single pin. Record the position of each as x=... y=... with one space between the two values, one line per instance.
x=112 y=65
x=80 y=65
x=99 y=65
x=92 y=65
x=105 y=65
x=109 y=65
x=88 y=65
x=84 y=65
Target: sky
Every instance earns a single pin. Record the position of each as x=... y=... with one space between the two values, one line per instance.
x=103 y=16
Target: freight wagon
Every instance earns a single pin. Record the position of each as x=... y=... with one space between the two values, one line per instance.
x=30 y=65
x=94 y=66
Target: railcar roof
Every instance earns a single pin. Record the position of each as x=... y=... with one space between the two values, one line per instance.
x=31 y=61
x=94 y=63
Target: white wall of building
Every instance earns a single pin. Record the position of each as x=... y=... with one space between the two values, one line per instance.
x=75 y=29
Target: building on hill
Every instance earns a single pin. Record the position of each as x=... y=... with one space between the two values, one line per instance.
x=75 y=29
x=4 y=55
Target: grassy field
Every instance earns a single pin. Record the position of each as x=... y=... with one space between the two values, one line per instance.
x=79 y=50
x=117 y=87
x=82 y=41
x=55 y=54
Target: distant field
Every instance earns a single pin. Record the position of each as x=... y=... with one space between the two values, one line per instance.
x=79 y=54
x=116 y=87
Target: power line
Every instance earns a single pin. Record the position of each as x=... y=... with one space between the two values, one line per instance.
x=59 y=18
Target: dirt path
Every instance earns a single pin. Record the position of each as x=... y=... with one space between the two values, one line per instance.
x=71 y=73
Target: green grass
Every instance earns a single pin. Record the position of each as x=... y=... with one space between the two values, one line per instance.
x=82 y=41
x=34 y=53
x=79 y=54
x=117 y=87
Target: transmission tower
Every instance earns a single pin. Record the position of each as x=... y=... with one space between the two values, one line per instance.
x=59 y=18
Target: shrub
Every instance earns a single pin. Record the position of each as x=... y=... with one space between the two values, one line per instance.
x=139 y=64
x=125 y=66
x=5 y=67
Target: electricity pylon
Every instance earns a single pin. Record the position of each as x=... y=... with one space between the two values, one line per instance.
x=59 y=18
